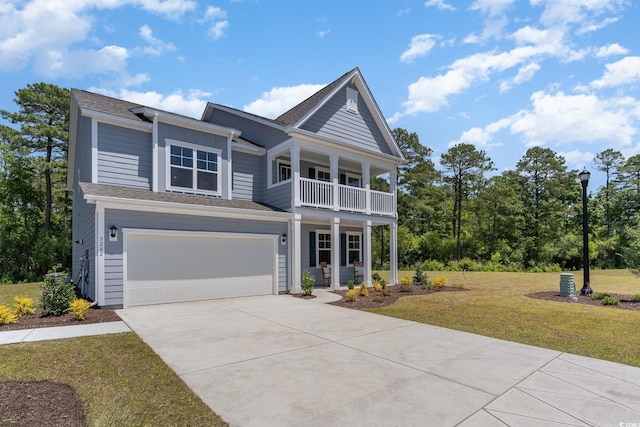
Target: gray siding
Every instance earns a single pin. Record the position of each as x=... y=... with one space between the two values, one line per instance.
x=263 y=135
x=279 y=196
x=334 y=121
x=192 y=137
x=83 y=162
x=133 y=219
x=124 y=156
x=249 y=177
x=83 y=232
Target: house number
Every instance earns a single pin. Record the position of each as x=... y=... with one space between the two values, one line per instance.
x=101 y=246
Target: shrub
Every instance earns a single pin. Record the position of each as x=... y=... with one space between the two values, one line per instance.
x=377 y=286
x=378 y=298
x=352 y=295
x=57 y=294
x=406 y=280
x=79 y=308
x=386 y=293
x=439 y=282
x=599 y=295
x=6 y=315
x=6 y=278
x=433 y=265
x=607 y=300
x=635 y=298
x=23 y=306
x=420 y=278
x=308 y=282
x=363 y=290
x=467 y=264
x=375 y=276
x=383 y=283
x=351 y=284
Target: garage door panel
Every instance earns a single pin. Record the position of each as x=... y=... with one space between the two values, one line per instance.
x=166 y=267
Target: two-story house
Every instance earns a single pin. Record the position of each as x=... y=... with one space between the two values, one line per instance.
x=168 y=208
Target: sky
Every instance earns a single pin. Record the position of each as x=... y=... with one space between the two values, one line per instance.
x=504 y=75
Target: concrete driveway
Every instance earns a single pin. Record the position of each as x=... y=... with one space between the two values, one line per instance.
x=283 y=361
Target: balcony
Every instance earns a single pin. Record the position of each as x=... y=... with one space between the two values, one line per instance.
x=345 y=198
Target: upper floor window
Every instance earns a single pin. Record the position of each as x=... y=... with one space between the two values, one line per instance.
x=284 y=170
x=323 y=175
x=352 y=100
x=194 y=168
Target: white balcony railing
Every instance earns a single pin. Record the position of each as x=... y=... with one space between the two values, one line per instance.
x=320 y=194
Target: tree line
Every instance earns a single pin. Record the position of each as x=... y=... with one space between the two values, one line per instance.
x=460 y=214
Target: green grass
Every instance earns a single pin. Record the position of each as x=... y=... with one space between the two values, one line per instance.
x=31 y=290
x=496 y=306
x=119 y=379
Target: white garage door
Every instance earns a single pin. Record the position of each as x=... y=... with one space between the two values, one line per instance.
x=162 y=267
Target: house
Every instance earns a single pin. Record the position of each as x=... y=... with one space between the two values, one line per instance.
x=168 y=208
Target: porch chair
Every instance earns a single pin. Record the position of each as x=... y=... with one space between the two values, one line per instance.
x=326 y=274
x=358 y=271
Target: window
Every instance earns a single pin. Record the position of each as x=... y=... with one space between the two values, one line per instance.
x=284 y=170
x=323 y=175
x=194 y=168
x=352 y=100
x=354 y=247
x=323 y=247
x=353 y=180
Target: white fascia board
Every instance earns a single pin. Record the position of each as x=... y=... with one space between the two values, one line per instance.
x=346 y=149
x=254 y=118
x=117 y=121
x=319 y=216
x=186 y=122
x=249 y=149
x=184 y=209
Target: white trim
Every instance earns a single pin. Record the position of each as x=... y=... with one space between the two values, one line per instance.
x=100 y=254
x=352 y=101
x=94 y=150
x=348 y=175
x=155 y=155
x=295 y=253
x=335 y=253
x=171 y=142
x=188 y=122
x=127 y=232
x=323 y=231
x=322 y=169
x=249 y=149
x=359 y=235
x=206 y=114
x=229 y=166
x=279 y=163
x=118 y=121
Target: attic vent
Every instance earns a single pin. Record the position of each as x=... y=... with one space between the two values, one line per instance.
x=352 y=100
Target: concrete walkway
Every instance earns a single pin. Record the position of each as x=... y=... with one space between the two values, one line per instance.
x=58 y=332
x=283 y=361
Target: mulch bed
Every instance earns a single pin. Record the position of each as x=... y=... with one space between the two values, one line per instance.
x=94 y=315
x=39 y=403
x=625 y=300
x=395 y=294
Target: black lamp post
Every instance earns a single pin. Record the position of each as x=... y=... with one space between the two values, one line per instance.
x=584 y=180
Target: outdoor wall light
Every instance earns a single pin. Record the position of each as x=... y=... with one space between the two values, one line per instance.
x=113 y=233
x=283 y=239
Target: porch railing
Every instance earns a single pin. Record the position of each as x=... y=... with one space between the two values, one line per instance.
x=320 y=194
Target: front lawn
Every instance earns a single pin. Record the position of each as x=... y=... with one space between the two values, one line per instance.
x=119 y=379
x=498 y=307
x=30 y=290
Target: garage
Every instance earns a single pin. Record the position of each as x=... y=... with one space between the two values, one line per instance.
x=171 y=266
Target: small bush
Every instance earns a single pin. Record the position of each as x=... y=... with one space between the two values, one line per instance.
x=406 y=280
x=607 y=300
x=383 y=283
x=79 y=309
x=635 y=298
x=467 y=264
x=6 y=278
x=599 y=295
x=352 y=295
x=6 y=315
x=386 y=293
x=433 y=265
x=420 y=278
x=439 y=282
x=378 y=298
x=57 y=294
x=351 y=284
x=363 y=290
x=308 y=282
x=375 y=276
x=23 y=306
x=377 y=286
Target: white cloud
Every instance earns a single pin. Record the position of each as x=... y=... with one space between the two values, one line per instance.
x=169 y=8
x=56 y=63
x=577 y=159
x=625 y=71
x=611 y=50
x=156 y=46
x=218 y=19
x=191 y=104
x=525 y=74
x=581 y=12
x=420 y=46
x=491 y=7
x=440 y=4
x=280 y=99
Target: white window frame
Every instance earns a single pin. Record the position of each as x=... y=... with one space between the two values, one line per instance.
x=279 y=164
x=353 y=176
x=359 y=236
x=352 y=100
x=322 y=170
x=194 y=168
x=318 y=233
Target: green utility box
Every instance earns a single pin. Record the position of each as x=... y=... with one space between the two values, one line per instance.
x=567 y=285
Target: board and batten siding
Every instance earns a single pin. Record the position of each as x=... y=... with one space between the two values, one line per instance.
x=160 y=221
x=249 y=176
x=359 y=129
x=124 y=156
x=83 y=232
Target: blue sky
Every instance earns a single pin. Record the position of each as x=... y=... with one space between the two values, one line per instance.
x=504 y=75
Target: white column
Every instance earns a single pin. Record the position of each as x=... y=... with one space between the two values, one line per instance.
x=295 y=254
x=155 y=167
x=366 y=184
x=335 y=179
x=100 y=254
x=393 y=253
x=335 y=253
x=227 y=192
x=295 y=174
x=366 y=251
x=393 y=187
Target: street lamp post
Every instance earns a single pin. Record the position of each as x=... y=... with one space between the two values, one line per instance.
x=584 y=180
